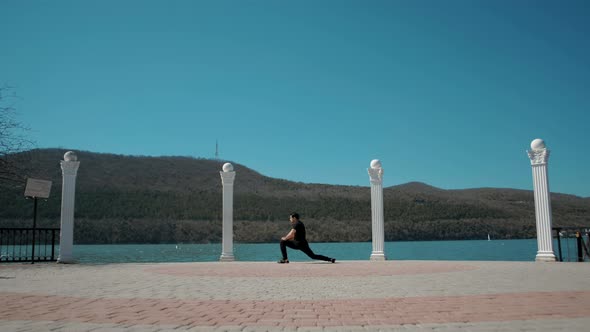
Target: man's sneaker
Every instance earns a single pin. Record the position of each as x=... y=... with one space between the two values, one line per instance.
x=333 y=260
x=283 y=261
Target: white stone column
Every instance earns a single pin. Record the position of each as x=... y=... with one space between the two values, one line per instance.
x=227 y=180
x=376 y=176
x=69 y=167
x=539 y=156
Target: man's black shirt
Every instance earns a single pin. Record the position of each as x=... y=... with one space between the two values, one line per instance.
x=299 y=231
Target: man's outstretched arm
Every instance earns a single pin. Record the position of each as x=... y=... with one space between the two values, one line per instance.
x=289 y=236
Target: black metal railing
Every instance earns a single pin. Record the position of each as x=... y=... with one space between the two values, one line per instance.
x=28 y=244
x=576 y=241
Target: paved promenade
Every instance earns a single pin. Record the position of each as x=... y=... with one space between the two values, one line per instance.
x=300 y=296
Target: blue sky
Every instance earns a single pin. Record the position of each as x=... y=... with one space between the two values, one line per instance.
x=450 y=93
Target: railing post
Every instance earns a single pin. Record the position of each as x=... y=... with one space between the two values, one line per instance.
x=557 y=231
x=21 y=245
x=539 y=155
x=227 y=180
x=13 y=237
x=53 y=244
x=69 y=168
x=34 y=226
x=579 y=246
x=376 y=177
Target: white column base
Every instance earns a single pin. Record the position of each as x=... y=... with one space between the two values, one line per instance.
x=227 y=258
x=377 y=256
x=545 y=257
x=66 y=260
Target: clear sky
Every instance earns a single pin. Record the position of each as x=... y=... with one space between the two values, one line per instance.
x=450 y=93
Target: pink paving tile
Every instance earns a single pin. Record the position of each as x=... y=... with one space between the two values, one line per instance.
x=392 y=311
x=315 y=269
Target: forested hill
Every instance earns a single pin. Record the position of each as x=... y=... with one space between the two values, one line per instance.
x=135 y=199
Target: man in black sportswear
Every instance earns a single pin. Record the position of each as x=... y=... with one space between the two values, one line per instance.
x=296 y=240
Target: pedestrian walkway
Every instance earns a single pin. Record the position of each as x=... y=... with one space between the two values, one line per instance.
x=300 y=296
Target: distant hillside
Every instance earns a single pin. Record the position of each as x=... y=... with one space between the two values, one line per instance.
x=134 y=199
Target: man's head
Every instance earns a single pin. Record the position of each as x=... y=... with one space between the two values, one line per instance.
x=294 y=217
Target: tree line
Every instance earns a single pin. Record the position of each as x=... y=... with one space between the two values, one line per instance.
x=124 y=199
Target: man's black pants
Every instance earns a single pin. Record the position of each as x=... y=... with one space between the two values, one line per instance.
x=303 y=246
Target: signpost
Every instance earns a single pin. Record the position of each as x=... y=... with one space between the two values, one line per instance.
x=36 y=189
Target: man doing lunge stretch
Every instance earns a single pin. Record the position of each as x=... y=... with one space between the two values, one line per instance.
x=295 y=239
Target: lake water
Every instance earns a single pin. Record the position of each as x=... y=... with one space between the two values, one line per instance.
x=495 y=250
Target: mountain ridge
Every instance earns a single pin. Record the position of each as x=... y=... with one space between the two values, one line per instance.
x=137 y=199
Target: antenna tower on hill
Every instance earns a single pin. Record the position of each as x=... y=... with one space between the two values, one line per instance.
x=216 y=150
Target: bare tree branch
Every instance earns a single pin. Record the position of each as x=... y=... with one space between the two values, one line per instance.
x=13 y=140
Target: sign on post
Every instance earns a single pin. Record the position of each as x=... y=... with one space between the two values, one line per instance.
x=37 y=188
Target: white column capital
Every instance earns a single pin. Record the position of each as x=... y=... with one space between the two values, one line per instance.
x=227 y=178
x=538 y=157
x=69 y=167
x=376 y=175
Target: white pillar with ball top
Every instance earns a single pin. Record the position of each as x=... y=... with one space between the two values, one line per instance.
x=539 y=155
x=227 y=179
x=69 y=167
x=376 y=177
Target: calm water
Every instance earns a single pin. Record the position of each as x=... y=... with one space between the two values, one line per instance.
x=495 y=250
